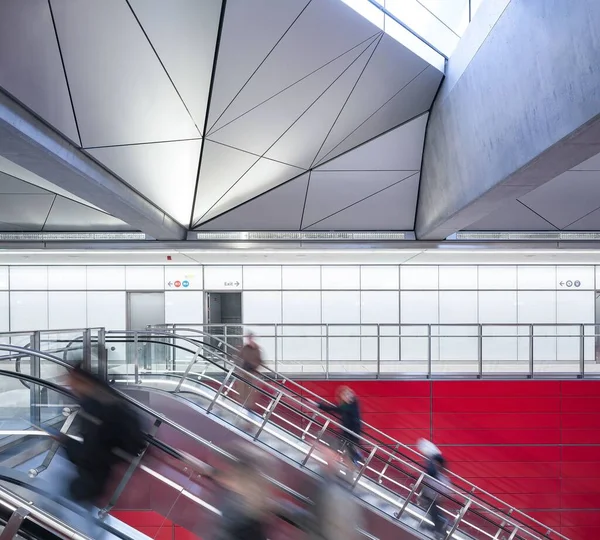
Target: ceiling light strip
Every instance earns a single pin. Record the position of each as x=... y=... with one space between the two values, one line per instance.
x=535 y=236
x=300 y=236
x=61 y=237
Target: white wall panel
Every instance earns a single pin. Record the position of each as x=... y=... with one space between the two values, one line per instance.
x=499 y=343
x=107 y=309
x=262 y=277
x=419 y=277
x=261 y=307
x=29 y=311
x=28 y=278
x=4 y=312
x=190 y=275
x=458 y=277
x=340 y=277
x=144 y=278
x=67 y=278
x=184 y=307
x=380 y=277
x=498 y=277
x=102 y=278
x=301 y=277
x=66 y=309
x=575 y=307
x=380 y=307
x=219 y=278
x=301 y=307
x=537 y=307
x=3 y=278
x=575 y=277
x=459 y=342
x=422 y=308
x=497 y=307
x=536 y=277
x=341 y=307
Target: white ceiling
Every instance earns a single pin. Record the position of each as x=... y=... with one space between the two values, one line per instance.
x=201 y=110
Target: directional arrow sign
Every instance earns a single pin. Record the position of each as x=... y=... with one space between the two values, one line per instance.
x=561 y=283
x=237 y=283
x=170 y=284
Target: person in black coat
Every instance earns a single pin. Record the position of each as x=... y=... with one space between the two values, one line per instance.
x=348 y=411
x=106 y=425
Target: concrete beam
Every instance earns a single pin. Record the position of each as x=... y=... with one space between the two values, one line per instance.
x=27 y=141
x=520 y=105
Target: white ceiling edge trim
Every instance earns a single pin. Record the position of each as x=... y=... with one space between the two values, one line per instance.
x=536 y=236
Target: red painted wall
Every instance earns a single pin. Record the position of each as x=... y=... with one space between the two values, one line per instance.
x=153 y=525
x=534 y=444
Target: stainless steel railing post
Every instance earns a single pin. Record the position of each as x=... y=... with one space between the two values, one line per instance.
x=458 y=519
x=429 y=363
x=276 y=346
x=268 y=414
x=364 y=467
x=531 y=362
x=581 y=351
x=480 y=351
x=378 y=351
x=406 y=502
x=218 y=392
x=312 y=448
x=327 y=351
x=188 y=368
x=136 y=358
x=35 y=370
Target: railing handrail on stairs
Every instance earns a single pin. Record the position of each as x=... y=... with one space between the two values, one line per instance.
x=231 y=360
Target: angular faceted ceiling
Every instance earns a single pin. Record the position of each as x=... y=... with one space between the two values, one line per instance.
x=225 y=114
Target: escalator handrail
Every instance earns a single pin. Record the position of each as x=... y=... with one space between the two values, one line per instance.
x=382 y=447
x=462 y=493
x=155 y=442
x=485 y=506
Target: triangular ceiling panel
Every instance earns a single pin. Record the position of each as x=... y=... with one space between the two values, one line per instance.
x=246 y=39
x=279 y=210
x=221 y=167
x=30 y=64
x=66 y=215
x=300 y=145
x=511 y=216
x=330 y=192
x=592 y=164
x=324 y=30
x=591 y=222
x=392 y=209
x=184 y=34
x=381 y=81
x=262 y=176
x=120 y=91
x=396 y=150
x=24 y=212
x=415 y=99
x=12 y=169
x=164 y=172
x=566 y=198
x=10 y=184
x=261 y=127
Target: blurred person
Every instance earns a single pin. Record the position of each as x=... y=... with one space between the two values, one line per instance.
x=335 y=513
x=250 y=360
x=434 y=486
x=245 y=504
x=107 y=427
x=348 y=411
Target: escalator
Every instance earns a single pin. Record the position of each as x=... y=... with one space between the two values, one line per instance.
x=202 y=399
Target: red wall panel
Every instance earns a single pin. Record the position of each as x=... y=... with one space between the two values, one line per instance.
x=534 y=444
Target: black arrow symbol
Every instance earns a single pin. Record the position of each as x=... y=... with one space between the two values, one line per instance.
x=170 y=284
x=237 y=283
x=561 y=283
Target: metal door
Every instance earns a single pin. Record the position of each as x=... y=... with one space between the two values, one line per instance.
x=144 y=309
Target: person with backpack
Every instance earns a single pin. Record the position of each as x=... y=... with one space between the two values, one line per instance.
x=436 y=486
x=250 y=360
x=348 y=411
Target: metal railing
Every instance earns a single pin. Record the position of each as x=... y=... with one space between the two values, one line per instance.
x=417 y=350
x=282 y=395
